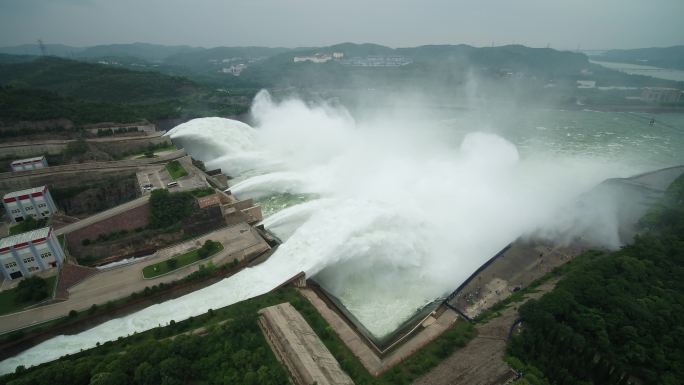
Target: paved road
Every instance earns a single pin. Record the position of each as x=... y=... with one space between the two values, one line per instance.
x=103 y=215
x=239 y=241
x=148 y=135
x=94 y=166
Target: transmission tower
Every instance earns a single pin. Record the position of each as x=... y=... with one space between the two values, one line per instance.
x=43 y=51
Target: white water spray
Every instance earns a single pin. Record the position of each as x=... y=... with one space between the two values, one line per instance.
x=402 y=216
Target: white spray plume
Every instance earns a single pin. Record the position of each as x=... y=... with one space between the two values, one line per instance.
x=402 y=217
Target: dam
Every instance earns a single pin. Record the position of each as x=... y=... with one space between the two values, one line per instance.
x=386 y=219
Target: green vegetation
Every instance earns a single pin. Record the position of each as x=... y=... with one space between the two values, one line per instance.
x=232 y=351
x=176 y=170
x=87 y=81
x=208 y=249
x=614 y=318
x=168 y=209
x=149 y=151
x=114 y=235
x=27 y=224
x=75 y=148
x=29 y=292
x=202 y=192
x=54 y=88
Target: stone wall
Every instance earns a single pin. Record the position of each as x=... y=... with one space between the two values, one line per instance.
x=139 y=243
x=91 y=198
x=132 y=219
x=66 y=179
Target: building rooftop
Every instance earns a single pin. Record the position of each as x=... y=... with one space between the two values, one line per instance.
x=209 y=200
x=24 y=237
x=27 y=191
x=28 y=160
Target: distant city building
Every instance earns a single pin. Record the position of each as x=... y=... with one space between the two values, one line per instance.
x=235 y=69
x=23 y=254
x=338 y=55
x=377 y=61
x=661 y=94
x=29 y=163
x=35 y=202
x=586 y=84
x=316 y=58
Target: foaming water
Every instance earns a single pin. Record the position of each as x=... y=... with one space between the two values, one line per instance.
x=395 y=216
x=403 y=215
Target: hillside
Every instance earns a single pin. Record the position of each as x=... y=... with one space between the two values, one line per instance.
x=668 y=57
x=614 y=318
x=53 y=88
x=94 y=82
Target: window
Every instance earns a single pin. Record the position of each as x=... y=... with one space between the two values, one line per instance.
x=33 y=268
x=11 y=265
x=29 y=259
x=46 y=255
x=42 y=205
x=16 y=211
x=28 y=208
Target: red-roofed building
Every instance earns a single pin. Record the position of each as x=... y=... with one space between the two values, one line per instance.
x=23 y=254
x=33 y=202
x=29 y=163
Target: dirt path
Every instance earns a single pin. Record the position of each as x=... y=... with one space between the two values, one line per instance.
x=481 y=361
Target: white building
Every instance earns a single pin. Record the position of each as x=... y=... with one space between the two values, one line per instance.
x=36 y=202
x=586 y=84
x=317 y=58
x=23 y=254
x=29 y=163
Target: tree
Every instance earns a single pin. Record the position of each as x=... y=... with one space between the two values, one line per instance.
x=172 y=263
x=32 y=289
x=167 y=209
x=146 y=374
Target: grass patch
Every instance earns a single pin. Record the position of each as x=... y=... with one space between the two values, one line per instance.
x=27 y=224
x=203 y=192
x=10 y=304
x=182 y=260
x=176 y=170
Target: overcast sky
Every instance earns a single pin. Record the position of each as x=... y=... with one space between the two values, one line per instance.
x=565 y=24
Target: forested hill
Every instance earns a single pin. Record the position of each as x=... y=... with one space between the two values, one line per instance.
x=93 y=81
x=53 y=88
x=615 y=318
x=667 y=57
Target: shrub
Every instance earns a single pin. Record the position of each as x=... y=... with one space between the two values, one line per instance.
x=32 y=289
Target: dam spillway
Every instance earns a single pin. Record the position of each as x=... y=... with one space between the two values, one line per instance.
x=386 y=217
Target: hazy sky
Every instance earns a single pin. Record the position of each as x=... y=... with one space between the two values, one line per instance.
x=591 y=24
